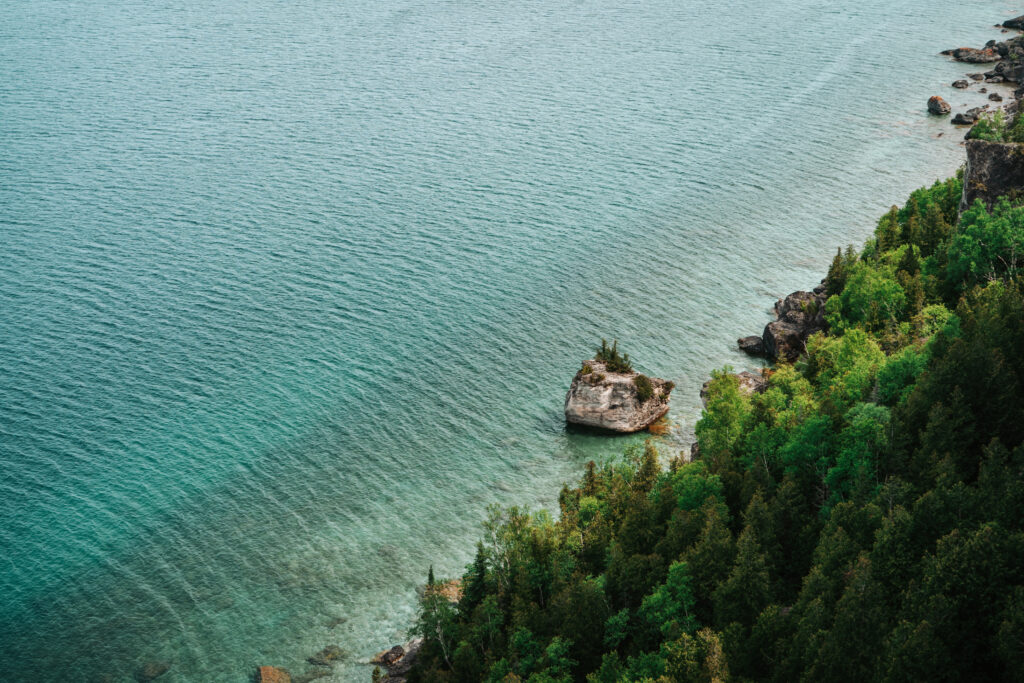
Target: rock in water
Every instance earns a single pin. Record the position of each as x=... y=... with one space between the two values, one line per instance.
x=612 y=400
x=389 y=657
x=937 y=105
x=993 y=169
x=272 y=674
x=968 y=117
x=1016 y=22
x=752 y=345
x=800 y=315
x=960 y=84
x=329 y=654
x=972 y=55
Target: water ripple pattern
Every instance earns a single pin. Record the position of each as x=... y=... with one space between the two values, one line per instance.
x=291 y=291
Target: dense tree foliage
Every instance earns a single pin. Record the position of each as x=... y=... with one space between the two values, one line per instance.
x=862 y=519
x=612 y=359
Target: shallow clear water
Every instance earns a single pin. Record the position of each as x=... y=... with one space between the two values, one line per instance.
x=291 y=291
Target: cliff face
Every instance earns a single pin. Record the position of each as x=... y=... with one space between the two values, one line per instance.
x=993 y=169
x=612 y=400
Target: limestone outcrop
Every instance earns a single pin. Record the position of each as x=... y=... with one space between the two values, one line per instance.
x=616 y=401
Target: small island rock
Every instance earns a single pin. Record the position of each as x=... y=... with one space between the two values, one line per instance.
x=1016 y=22
x=609 y=400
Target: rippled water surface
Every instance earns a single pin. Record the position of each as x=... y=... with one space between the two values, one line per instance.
x=291 y=291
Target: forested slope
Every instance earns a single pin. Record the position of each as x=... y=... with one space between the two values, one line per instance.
x=861 y=519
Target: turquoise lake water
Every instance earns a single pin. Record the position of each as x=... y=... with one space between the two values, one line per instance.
x=291 y=291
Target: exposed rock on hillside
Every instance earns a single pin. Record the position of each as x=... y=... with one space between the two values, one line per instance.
x=993 y=169
x=615 y=400
x=750 y=383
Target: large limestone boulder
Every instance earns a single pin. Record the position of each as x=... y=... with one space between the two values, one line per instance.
x=993 y=169
x=612 y=400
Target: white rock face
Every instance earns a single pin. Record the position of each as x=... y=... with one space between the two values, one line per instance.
x=608 y=400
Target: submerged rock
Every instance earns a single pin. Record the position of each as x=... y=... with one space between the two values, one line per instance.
x=614 y=400
x=937 y=105
x=272 y=674
x=993 y=169
x=331 y=653
x=312 y=675
x=150 y=671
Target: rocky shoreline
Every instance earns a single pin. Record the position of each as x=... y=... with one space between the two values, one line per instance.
x=1007 y=58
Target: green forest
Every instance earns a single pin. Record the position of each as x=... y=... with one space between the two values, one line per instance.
x=861 y=519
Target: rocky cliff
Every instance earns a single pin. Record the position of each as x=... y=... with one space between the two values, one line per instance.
x=994 y=169
x=617 y=401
